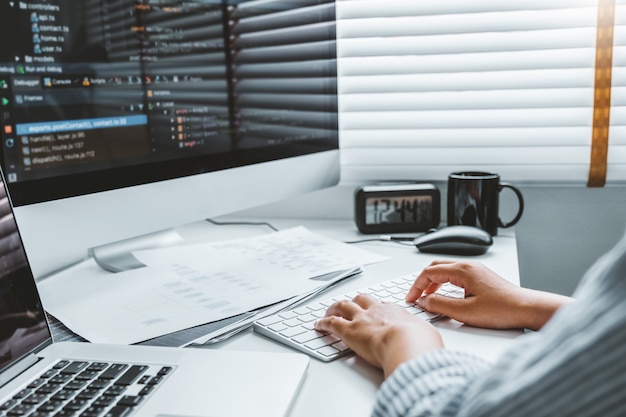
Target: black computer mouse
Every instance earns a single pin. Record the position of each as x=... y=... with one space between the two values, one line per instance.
x=455 y=240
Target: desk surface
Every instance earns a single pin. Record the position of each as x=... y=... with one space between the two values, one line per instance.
x=347 y=386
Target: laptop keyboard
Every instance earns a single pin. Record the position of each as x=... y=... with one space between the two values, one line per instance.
x=86 y=389
x=295 y=328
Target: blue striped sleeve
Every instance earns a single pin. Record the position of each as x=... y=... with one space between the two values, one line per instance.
x=575 y=366
x=424 y=385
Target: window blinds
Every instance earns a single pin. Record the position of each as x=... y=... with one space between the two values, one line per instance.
x=430 y=87
x=285 y=72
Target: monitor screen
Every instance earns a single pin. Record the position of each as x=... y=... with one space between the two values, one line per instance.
x=106 y=95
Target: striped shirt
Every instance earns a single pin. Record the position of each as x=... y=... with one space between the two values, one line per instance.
x=574 y=366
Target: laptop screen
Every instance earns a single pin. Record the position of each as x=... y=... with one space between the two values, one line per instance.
x=23 y=324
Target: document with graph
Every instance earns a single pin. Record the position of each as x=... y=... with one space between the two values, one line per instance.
x=186 y=286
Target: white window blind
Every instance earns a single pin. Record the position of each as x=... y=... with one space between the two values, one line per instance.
x=431 y=87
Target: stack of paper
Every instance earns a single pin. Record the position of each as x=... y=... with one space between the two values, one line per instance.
x=186 y=286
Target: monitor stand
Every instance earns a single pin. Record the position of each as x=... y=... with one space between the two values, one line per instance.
x=118 y=256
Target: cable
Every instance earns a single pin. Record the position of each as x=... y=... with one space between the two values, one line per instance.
x=386 y=238
x=242 y=224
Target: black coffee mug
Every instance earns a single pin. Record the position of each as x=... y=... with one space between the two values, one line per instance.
x=473 y=200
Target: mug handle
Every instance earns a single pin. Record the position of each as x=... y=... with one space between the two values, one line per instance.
x=520 y=199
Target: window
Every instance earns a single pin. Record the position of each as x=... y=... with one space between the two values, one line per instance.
x=430 y=87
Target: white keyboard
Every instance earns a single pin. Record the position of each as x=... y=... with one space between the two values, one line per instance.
x=295 y=328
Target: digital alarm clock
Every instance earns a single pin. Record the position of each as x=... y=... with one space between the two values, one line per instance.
x=397 y=208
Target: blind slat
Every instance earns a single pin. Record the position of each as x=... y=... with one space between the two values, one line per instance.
x=480 y=81
x=466 y=119
x=496 y=61
x=422 y=172
x=460 y=24
x=351 y=9
x=482 y=137
x=470 y=100
x=469 y=43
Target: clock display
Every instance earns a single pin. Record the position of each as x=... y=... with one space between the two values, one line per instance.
x=397 y=208
x=410 y=209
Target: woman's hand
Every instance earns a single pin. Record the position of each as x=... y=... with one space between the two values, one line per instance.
x=490 y=300
x=383 y=334
x=386 y=335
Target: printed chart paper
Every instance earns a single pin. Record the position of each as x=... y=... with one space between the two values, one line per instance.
x=185 y=286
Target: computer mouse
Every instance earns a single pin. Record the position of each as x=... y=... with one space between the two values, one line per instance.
x=455 y=240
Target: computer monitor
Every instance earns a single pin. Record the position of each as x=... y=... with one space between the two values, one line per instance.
x=125 y=117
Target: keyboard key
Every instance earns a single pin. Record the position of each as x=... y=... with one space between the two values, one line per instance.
x=50 y=406
x=113 y=371
x=118 y=411
x=321 y=342
x=8 y=404
x=293 y=331
x=307 y=336
x=268 y=321
x=130 y=400
x=292 y=322
x=131 y=375
x=278 y=327
x=20 y=410
x=74 y=367
x=328 y=351
x=165 y=370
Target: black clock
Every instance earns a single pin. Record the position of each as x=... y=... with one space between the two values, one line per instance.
x=397 y=208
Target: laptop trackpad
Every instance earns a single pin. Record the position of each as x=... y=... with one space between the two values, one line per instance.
x=221 y=383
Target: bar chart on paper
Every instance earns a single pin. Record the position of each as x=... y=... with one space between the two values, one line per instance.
x=186 y=286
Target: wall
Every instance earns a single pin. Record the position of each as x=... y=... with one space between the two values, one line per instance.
x=562 y=232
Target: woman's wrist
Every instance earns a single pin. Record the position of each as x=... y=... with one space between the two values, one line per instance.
x=537 y=307
x=403 y=343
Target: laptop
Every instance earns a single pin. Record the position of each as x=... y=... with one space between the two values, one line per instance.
x=41 y=378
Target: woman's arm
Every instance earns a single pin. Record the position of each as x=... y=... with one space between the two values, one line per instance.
x=490 y=300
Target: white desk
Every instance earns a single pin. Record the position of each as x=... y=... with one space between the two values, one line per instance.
x=347 y=386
